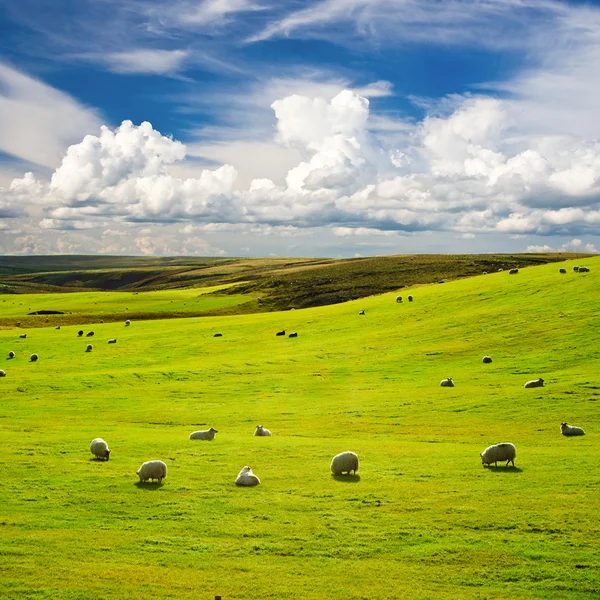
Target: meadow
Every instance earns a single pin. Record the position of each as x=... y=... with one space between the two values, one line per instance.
x=423 y=519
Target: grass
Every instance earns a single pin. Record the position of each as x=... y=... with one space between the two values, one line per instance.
x=422 y=520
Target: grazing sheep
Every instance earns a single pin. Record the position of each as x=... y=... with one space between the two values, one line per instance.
x=11 y=354
x=33 y=357
x=112 y=341
x=539 y=382
x=2 y=373
x=571 y=430
x=513 y=271
x=447 y=382
x=23 y=336
x=128 y=322
x=89 y=334
x=398 y=298
x=344 y=463
x=99 y=448
x=88 y=348
x=486 y=359
x=205 y=434
x=499 y=452
x=293 y=335
x=485 y=273
x=282 y=332
x=80 y=332
x=218 y=335
x=247 y=478
x=575 y=269
x=153 y=469
x=410 y=298
x=584 y=269
x=261 y=431
x=562 y=271
x=57 y=327
x=362 y=312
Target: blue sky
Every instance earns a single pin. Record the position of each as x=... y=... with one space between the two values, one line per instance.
x=331 y=127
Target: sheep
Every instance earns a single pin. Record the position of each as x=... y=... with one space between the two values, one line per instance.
x=19 y=323
x=11 y=354
x=362 y=312
x=89 y=334
x=247 y=478
x=128 y=322
x=152 y=469
x=398 y=299
x=218 y=335
x=23 y=336
x=500 y=270
x=57 y=327
x=447 y=382
x=261 y=431
x=33 y=357
x=99 y=448
x=505 y=451
x=486 y=359
x=293 y=335
x=539 y=382
x=562 y=271
x=282 y=332
x=569 y=430
x=485 y=273
x=88 y=348
x=2 y=373
x=80 y=332
x=205 y=434
x=112 y=341
x=584 y=269
x=344 y=463
x=575 y=269
x=513 y=271
x=410 y=298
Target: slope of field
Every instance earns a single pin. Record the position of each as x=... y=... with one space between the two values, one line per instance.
x=422 y=520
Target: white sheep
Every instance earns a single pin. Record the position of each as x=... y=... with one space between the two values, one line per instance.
x=261 y=431
x=447 y=382
x=205 y=434
x=247 y=478
x=539 y=382
x=57 y=327
x=99 y=448
x=505 y=451
x=571 y=430
x=88 y=348
x=2 y=373
x=362 y=312
x=153 y=469
x=33 y=357
x=11 y=354
x=127 y=323
x=486 y=359
x=344 y=462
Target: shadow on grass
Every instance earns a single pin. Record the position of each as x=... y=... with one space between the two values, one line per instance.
x=347 y=478
x=98 y=460
x=151 y=486
x=505 y=469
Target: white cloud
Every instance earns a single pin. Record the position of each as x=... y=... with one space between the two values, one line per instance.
x=214 y=11
x=151 y=61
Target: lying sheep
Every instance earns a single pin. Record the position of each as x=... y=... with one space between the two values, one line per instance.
x=218 y=335
x=562 y=271
x=89 y=334
x=261 y=431
x=204 y=434
x=247 y=478
x=362 y=312
x=447 y=382
x=282 y=332
x=575 y=269
x=2 y=373
x=99 y=448
x=33 y=357
x=539 y=382
x=23 y=336
x=410 y=298
x=153 y=469
x=345 y=462
x=128 y=322
x=293 y=335
x=584 y=269
x=398 y=298
x=500 y=270
x=486 y=359
x=11 y=354
x=112 y=341
x=57 y=327
x=513 y=271
x=88 y=348
x=499 y=452
x=571 y=430
x=80 y=332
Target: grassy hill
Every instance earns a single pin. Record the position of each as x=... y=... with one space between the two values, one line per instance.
x=422 y=520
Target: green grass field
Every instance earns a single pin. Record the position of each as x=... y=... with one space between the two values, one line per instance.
x=423 y=519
